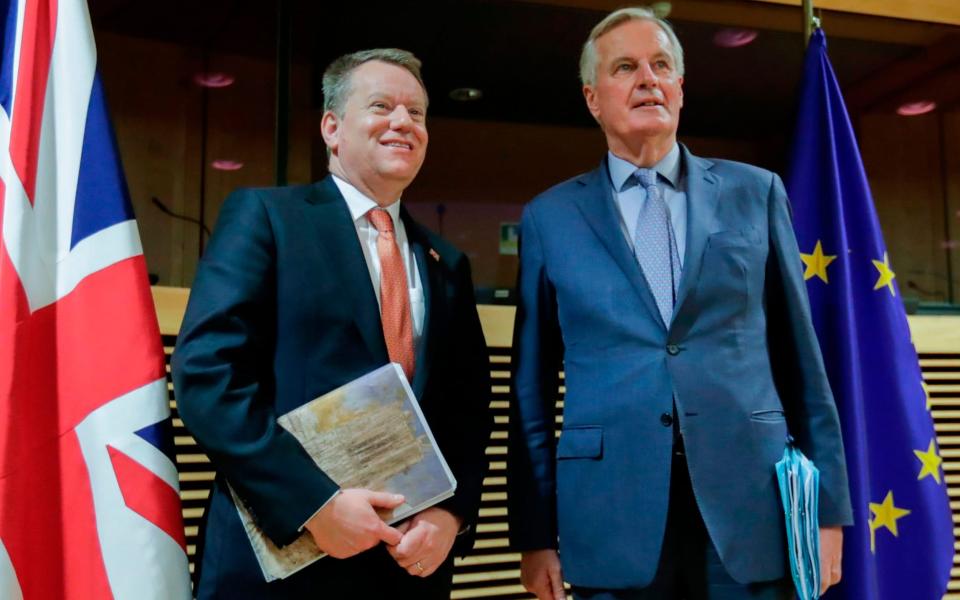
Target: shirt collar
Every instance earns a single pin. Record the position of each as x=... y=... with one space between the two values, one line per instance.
x=621 y=170
x=360 y=204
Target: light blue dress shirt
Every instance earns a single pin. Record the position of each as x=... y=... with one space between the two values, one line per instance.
x=629 y=196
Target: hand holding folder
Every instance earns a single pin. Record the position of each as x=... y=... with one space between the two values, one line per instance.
x=800 y=492
x=369 y=436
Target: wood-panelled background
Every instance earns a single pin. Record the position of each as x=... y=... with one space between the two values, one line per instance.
x=159 y=114
x=492 y=570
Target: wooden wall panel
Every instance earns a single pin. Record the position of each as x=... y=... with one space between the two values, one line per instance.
x=951 y=171
x=902 y=157
x=481 y=172
x=154 y=108
x=157 y=113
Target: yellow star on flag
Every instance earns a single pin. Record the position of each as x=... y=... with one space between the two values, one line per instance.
x=817 y=263
x=930 y=461
x=886 y=274
x=885 y=514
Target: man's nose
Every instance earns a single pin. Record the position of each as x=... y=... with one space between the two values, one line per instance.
x=645 y=76
x=400 y=118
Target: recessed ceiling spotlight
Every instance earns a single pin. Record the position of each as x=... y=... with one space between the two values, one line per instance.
x=912 y=109
x=466 y=94
x=226 y=164
x=734 y=38
x=213 y=80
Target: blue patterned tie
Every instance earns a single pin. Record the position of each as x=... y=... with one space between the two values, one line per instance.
x=656 y=247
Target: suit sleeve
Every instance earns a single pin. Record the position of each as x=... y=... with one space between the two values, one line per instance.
x=223 y=374
x=798 y=369
x=469 y=428
x=538 y=351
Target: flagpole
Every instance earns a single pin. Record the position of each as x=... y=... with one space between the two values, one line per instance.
x=809 y=21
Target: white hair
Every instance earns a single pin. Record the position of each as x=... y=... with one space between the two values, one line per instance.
x=588 y=57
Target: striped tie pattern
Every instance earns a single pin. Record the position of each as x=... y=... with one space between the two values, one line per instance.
x=394 y=295
x=655 y=246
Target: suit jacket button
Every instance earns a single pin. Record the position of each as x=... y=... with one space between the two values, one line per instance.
x=666 y=419
x=673 y=349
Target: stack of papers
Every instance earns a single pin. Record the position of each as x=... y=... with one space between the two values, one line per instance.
x=800 y=491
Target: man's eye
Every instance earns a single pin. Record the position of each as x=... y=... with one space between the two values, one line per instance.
x=662 y=65
x=379 y=106
x=625 y=67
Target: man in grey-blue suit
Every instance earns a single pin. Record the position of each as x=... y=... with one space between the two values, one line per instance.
x=669 y=288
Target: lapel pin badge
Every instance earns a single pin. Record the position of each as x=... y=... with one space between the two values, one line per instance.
x=433 y=253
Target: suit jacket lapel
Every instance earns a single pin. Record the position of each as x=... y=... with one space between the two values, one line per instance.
x=430 y=279
x=335 y=229
x=600 y=212
x=703 y=194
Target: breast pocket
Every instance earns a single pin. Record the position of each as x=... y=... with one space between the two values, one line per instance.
x=733 y=263
x=733 y=238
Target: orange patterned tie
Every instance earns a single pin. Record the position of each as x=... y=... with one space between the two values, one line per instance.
x=394 y=295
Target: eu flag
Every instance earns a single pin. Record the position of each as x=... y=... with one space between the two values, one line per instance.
x=901 y=545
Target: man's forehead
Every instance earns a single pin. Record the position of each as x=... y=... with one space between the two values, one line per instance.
x=633 y=37
x=381 y=79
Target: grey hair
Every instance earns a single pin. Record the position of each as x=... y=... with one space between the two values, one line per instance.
x=336 y=78
x=588 y=57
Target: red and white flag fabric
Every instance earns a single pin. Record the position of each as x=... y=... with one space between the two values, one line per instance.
x=89 y=501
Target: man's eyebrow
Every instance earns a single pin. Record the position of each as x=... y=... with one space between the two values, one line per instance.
x=385 y=96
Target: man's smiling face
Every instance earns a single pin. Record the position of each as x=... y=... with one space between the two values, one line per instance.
x=381 y=137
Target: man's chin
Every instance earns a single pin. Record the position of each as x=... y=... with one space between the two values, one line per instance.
x=651 y=128
x=404 y=173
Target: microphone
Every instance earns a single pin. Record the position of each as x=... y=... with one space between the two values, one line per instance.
x=163 y=208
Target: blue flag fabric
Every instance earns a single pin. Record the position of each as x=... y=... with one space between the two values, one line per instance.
x=901 y=545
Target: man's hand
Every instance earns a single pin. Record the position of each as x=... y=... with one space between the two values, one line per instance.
x=831 y=553
x=427 y=539
x=540 y=574
x=349 y=523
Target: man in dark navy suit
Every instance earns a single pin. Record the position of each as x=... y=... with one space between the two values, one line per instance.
x=669 y=287
x=303 y=289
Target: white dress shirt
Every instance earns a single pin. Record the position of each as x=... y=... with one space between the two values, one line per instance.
x=359 y=205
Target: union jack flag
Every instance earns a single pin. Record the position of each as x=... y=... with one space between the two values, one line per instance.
x=89 y=502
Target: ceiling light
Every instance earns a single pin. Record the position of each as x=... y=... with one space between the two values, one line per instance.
x=734 y=38
x=912 y=109
x=466 y=94
x=213 y=80
x=225 y=164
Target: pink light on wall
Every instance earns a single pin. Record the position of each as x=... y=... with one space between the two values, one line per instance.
x=734 y=38
x=912 y=109
x=226 y=164
x=214 y=80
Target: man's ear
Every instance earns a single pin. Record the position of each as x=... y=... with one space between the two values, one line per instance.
x=330 y=130
x=680 y=81
x=593 y=105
